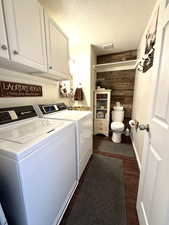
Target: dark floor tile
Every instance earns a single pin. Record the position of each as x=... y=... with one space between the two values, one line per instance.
x=131 y=176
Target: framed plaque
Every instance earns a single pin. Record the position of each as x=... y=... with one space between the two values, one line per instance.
x=13 y=89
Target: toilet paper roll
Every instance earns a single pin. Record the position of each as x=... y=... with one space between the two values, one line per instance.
x=132 y=123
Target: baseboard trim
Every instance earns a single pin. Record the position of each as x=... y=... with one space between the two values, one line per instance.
x=136 y=153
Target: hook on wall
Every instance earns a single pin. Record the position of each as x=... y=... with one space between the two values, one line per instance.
x=80 y=85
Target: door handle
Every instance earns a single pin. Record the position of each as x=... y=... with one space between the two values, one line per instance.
x=4 y=47
x=144 y=127
x=15 y=52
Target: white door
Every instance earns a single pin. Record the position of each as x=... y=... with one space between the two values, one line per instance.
x=153 y=197
x=57 y=46
x=26 y=34
x=3 y=38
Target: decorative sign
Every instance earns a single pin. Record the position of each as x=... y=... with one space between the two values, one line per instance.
x=147 y=60
x=12 y=89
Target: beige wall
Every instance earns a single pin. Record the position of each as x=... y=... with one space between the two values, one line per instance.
x=81 y=55
x=141 y=100
x=50 y=90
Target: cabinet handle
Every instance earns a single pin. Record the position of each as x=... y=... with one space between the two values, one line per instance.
x=50 y=67
x=4 y=47
x=15 y=52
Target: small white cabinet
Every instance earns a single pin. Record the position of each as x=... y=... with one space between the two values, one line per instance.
x=26 y=34
x=4 y=54
x=57 y=51
x=102 y=112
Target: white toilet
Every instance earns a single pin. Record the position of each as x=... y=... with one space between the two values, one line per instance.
x=117 y=125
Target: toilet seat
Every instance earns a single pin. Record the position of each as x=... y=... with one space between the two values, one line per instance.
x=117 y=126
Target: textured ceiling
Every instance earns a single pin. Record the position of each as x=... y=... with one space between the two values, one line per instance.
x=102 y=21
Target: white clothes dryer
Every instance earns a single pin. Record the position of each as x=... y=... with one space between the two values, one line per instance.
x=84 y=129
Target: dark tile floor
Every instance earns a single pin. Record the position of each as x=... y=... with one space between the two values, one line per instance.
x=100 y=199
x=131 y=172
x=104 y=144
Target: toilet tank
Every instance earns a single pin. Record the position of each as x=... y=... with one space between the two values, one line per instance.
x=117 y=115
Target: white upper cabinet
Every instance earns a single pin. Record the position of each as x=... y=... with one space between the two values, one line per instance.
x=26 y=34
x=57 y=51
x=31 y=42
x=4 y=54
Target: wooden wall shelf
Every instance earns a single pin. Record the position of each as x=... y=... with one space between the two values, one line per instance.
x=122 y=65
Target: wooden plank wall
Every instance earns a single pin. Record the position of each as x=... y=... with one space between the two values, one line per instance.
x=120 y=82
x=117 y=57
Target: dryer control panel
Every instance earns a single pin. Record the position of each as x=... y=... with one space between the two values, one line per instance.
x=8 y=115
x=52 y=108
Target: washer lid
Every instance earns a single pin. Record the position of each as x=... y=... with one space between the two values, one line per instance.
x=19 y=139
x=29 y=130
x=69 y=115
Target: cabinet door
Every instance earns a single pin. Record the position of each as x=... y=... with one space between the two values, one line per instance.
x=26 y=34
x=57 y=46
x=3 y=38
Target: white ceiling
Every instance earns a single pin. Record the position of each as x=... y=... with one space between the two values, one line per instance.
x=102 y=21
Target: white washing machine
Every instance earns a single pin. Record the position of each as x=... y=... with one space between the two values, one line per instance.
x=84 y=129
x=37 y=167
